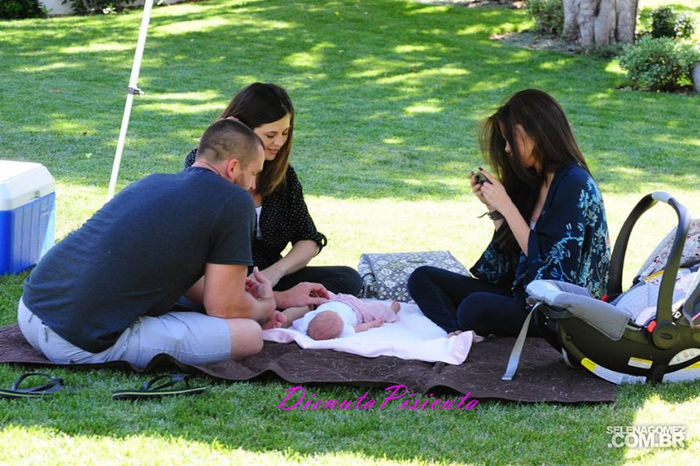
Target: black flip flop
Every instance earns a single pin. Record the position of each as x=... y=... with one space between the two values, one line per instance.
x=150 y=390
x=53 y=385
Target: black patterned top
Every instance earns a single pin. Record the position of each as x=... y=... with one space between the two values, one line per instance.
x=284 y=219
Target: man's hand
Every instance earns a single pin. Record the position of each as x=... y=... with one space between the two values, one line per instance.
x=229 y=293
x=258 y=285
x=303 y=294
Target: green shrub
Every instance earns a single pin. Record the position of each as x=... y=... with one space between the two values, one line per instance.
x=666 y=22
x=659 y=64
x=85 y=7
x=685 y=26
x=17 y=9
x=548 y=16
x=605 y=51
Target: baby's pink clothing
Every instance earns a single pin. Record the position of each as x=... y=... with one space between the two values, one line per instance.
x=367 y=311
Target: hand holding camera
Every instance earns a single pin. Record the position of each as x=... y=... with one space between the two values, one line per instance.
x=479 y=177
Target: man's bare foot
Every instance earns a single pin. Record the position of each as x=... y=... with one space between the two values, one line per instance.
x=395 y=306
x=275 y=321
x=453 y=334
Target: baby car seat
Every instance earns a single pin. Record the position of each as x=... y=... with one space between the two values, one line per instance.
x=629 y=339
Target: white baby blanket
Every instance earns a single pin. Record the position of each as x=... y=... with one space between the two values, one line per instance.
x=413 y=336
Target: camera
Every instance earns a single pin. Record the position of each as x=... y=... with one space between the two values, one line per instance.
x=479 y=177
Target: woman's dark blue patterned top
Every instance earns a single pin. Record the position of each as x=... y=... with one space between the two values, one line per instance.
x=570 y=241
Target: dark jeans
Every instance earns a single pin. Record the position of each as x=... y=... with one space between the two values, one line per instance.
x=456 y=302
x=337 y=278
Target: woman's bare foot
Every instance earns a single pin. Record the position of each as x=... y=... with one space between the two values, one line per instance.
x=395 y=306
x=275 y=321
x=475 y=338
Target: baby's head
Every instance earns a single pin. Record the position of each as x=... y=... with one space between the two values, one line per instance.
x=325 y=325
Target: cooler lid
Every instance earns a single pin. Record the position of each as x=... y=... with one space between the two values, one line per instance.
x=22 y=182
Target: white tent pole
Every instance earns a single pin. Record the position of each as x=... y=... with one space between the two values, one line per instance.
x=131 y=90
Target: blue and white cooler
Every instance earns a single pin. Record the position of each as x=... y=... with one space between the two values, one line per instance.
x=27 y=214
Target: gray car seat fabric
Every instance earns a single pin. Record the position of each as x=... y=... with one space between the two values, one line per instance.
x=604 y=317
x=641 y=300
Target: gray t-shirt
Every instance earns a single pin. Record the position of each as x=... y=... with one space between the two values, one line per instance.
x=138 y=254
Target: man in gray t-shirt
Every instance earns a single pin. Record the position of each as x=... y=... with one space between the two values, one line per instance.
x=107 y=291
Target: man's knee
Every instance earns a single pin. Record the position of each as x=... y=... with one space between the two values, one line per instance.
x=246 y=338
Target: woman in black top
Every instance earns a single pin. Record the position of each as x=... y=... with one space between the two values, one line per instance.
x=283 y=217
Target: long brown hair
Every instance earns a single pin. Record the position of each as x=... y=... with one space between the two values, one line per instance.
x=545 y=122
x=256 y=105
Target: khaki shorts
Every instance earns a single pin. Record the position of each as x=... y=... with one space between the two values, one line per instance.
x=190 y=337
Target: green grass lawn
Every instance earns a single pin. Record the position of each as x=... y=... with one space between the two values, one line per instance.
x=389 y=95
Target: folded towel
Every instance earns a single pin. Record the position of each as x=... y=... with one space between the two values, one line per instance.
x=413 y=336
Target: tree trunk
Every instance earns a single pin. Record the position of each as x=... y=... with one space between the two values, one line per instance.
x=599 y=22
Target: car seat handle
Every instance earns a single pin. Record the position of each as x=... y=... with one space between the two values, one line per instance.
x=665 y=301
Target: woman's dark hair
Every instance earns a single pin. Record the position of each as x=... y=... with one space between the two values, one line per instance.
x=544 y=121
x=256 y=105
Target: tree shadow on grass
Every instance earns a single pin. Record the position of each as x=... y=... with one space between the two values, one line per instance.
x=389 y=95
x=243 y=417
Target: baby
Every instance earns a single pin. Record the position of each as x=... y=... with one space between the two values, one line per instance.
x=344 y=315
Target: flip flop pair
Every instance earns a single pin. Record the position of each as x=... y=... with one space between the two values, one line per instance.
x=158 y=387
x=52 y=385
x=164 y=385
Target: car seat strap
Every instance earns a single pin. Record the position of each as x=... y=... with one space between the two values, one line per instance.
x=514 y=358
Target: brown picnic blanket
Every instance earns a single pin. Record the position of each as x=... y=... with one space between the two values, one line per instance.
x=542 y=375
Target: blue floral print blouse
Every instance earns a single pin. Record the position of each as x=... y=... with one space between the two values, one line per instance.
x=570 y=241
